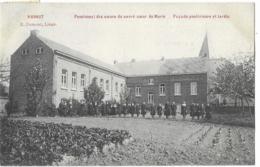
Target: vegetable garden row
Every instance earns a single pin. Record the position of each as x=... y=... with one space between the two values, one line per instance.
x=35 y=143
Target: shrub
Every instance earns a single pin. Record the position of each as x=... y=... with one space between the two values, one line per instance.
x=49 y=110
x=83 y=110
x=74 y=107
x=11 y=109
x=35 y=143
x=63 y=108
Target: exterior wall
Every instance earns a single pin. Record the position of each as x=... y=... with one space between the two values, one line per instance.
x=169 y=80
x=90 y=72
x=21 y=64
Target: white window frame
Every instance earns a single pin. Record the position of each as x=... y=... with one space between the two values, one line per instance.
x=116 y=87
x=64 y=79
x=82 y=80
x=177 y=89
x=101 y=83
x=150 y=100
x=162 y=89
x=107 y=86
x=138 y=91
x=121 y=87
x=39 y=50
x=74 y=81
x=194 y=88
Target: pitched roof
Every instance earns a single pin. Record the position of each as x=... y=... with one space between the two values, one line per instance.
x=78 y=55
x=191 y=65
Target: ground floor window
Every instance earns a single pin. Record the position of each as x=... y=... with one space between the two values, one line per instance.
x=150 y=98
x=137 y=91
x=193 y=88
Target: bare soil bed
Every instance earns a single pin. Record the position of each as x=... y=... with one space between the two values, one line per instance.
x=169 y=142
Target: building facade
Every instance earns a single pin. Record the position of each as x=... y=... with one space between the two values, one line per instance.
x=189 y=88
x=70 y=71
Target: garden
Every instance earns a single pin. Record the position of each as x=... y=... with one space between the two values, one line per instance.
x=35 y=143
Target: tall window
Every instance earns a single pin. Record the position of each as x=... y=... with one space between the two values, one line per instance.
x=64 y=78
x=116 y=87
x=138 y=91
x=121 y=87
x=101 y=84
x=177 y=89
x=193 y=88
x=82 y=80
x=150 y=98
x=107 y=85
x=74 y=80
x=162 y=90
x=151 y=81
x=39 y=50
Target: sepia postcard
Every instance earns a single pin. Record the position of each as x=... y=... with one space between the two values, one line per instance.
x=127 y=84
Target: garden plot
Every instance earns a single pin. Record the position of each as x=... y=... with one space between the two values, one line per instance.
x=169 y=142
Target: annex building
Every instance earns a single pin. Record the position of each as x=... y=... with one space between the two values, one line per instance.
x=69 y=71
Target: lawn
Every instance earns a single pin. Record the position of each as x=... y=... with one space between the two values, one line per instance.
x=169 y=142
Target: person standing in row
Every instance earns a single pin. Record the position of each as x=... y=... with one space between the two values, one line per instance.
x=184 y=110
x=173 y=110
x=198 y=111
x=167 y=110
x=137 y=110
x=192 y=110
x=143 y=109
x=152 y=110
x=159 y=110
x=202 y=111
x=208 y=110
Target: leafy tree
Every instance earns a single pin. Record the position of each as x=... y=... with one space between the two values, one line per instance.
x=125 y=95
x=93 y=94
x=36 y=80
x=4 y=69
x=236 y=80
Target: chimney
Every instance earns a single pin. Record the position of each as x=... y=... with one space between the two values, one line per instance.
x=34 y=32
x=115 y=62
x=162 y=59
x=133 y=60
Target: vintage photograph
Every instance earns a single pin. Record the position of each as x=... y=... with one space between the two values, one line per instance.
x=127 y=84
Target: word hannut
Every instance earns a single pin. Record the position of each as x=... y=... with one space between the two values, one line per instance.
x=35 y=16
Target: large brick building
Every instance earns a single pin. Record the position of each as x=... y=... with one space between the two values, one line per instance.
x=155 y=81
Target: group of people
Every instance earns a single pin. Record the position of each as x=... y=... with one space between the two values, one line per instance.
x=168 y=110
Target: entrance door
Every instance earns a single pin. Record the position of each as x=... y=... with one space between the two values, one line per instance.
x=150 y=97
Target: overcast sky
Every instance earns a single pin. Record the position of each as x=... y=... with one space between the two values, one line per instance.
x=142 y=39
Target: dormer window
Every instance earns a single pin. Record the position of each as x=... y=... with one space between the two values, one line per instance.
x=39 y=50
x=25 y=51
x=151 y=81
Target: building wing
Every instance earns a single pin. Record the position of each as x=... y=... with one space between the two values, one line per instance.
x=78 y=55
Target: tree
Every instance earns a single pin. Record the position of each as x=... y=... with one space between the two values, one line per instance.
x=125 y=95
x=236 y=79
x=35 y=82
x=94 y=94
x=4 y=75
x=4 y=70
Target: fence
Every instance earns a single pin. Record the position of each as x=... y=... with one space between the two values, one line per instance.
x=233 y=109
